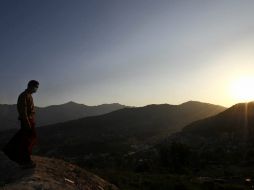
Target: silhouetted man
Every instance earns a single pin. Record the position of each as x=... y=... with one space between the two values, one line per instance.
x=19 y=149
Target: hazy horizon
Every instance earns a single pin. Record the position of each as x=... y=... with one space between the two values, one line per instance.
x=131 y=52
x=106 y=103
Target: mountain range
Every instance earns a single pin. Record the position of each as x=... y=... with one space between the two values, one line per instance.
x=216 y=146
x=235 y=123
x=120 y=131
x=109 y=141
x=55 y=113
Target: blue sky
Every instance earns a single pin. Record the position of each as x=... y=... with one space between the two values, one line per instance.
x=135 y=52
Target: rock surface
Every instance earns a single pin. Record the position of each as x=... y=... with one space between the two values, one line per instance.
x=49 y=174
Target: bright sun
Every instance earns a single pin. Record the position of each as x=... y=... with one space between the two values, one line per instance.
x=242 y=89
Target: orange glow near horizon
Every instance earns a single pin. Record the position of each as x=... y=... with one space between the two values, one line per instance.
x=242 y=89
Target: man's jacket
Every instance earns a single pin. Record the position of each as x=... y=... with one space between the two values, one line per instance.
x=25 y=106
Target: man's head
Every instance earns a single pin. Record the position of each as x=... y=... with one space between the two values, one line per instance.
x=32 y=86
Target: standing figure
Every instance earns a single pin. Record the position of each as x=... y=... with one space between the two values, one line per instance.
x=19 y=148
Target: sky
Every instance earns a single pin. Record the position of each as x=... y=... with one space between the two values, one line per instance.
x=133 y=52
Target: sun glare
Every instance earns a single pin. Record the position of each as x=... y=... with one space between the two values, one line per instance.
x=242 y=89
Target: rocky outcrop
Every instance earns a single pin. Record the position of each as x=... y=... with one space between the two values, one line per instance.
x=49 y=174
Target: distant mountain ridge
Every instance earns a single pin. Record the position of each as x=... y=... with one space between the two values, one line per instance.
x=122 y=130
x=234 y=125
x=237 y=121
x=107 y=140
x=71 y=111
x=55 y=113
x=225 y=139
